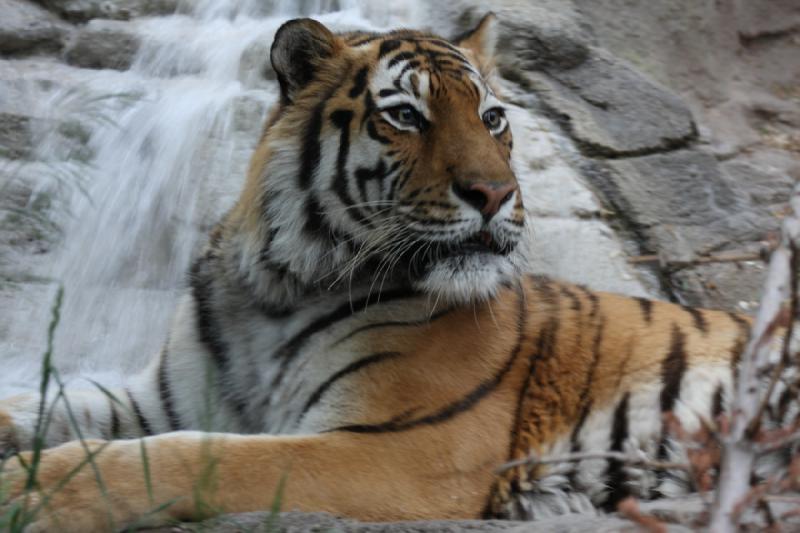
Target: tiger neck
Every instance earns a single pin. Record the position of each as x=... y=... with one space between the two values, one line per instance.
x=287 y=267
x=278 y=243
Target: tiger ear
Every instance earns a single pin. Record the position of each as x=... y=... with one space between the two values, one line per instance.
x=300 y=46
x=481 y=41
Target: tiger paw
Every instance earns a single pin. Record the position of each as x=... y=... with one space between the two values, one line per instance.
x=79 y=486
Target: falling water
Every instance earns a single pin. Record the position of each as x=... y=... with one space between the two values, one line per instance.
x=168 y=159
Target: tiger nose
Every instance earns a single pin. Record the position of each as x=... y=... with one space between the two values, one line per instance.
x=486 y=197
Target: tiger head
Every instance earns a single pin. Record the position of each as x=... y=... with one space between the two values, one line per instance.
x=387 y=158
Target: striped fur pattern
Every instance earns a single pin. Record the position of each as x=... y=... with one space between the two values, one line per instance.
x=358 y=321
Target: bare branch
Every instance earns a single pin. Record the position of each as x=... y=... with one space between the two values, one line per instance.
x=730 y=257
x=629 y=508
x=739 y=448
x=777 y=443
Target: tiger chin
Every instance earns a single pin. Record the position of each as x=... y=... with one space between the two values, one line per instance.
x=358 y=326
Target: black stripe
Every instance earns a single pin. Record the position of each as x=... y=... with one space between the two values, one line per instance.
x=166 y=394
x=465 y=403
x=441 y=42
x=317 y=227
x=147 y=430
x=359 y=83
x=575 y=436
x=544 y=347
x=115 y=434
x=592 y=298
x=786 y=400
x=647 y=308
x=402 y=178
x=617 y=478
x=310 y=153
x=372 y=131
x=414 y=63
x=364 y=38
x=476 y=92
x=698 y=318
x=523 y=393
x=402 y=56
x=386 y=93
x=388 y=46
x=584 y=395
x=341 y=118
x=349 y=369
x=286 y=353
x=672 y=369
x=428 y=203
x=293 y=345
x=544 y=286
x=210 y=332
x=364 y=175
x=367 y=108
x=741 y=322
x=717 y=405
x=739 y=344
x=315 y=224
x=396 y=323
x=544 y=380
x=207 y=327
x=575 y=302
x=435 y=221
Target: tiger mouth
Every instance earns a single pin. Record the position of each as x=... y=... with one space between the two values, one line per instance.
x=426 y=254
x=479 y=243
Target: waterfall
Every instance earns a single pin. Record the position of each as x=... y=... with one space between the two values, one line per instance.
x=168 y=155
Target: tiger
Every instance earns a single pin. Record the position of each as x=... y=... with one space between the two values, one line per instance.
x=360 y=332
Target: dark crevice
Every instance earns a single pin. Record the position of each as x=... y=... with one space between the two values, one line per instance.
x=598 y=176
x=591 y=149
x=748 y=39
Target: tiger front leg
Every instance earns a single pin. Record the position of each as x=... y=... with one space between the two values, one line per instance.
x=191 y=475
x=80 y=414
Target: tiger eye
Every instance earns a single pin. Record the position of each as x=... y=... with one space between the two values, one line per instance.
x=406 y=115
x=493 y=118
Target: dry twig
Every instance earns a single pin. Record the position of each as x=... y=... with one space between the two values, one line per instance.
x=629 y=508
x=739 y=446
x=731 y=257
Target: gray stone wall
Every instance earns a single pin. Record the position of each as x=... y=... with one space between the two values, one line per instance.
x=674 y=126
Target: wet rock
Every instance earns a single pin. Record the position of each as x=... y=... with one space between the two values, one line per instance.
x=678 y=203
x=84 y=10
x=26 y=28
x=23 y=132
x=611 y=110
x=16 y=138
x=680 y=207
x=765 y=176
x=731 y=286
x=255 y=68
x=532 y=36
x=103 y=45
x=767 y=19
